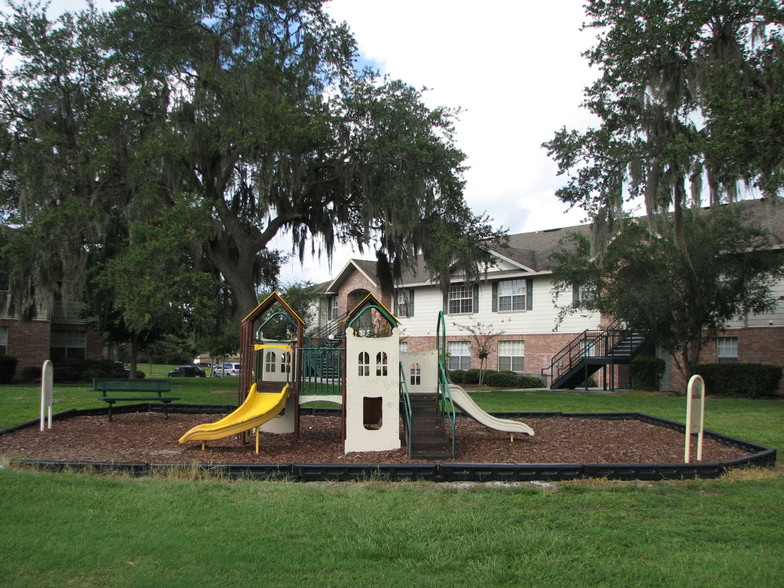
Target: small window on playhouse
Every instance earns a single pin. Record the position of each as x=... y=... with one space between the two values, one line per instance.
x=381 y=363
x=363 y=363
x=269 y=362
x=285 y=363
x=416 y=374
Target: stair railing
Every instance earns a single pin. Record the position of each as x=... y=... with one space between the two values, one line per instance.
x=446 y=404
x=405 y=403
x=331 y=334
x=590 y=343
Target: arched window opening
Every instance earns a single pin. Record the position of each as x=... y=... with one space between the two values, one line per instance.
x=269 y=362
x=416 y=374
x=381 y=363
x=363 y=362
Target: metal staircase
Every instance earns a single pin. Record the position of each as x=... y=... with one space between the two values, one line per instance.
x=591 y=351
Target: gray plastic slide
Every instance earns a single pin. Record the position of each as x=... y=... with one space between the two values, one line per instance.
x=461 y=398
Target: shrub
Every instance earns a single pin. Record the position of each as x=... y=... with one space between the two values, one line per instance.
x=531 y=382
x=83 y=370
x=503 y=380
x=749 y=380
x=471 y=376
x=512 y=380
x=646 y=372
x=7 y=368
x=457 y=376
x=30 y=373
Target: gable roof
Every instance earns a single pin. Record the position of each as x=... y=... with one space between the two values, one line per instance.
x=532 y=252
x=367 y=268
x=371 y=301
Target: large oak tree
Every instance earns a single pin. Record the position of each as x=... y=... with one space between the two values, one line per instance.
x=253 y=112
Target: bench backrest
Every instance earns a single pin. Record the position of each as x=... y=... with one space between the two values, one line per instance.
x=126 y=385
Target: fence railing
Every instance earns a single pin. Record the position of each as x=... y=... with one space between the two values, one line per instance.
x=322 y=371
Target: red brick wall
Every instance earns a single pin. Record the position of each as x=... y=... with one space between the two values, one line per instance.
x=755 y=345
x=28 y=342
x=357 y=281
x=95 y=346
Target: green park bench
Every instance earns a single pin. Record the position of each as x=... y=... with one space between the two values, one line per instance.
x=143 y=388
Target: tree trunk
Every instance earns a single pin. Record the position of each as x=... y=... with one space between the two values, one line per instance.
x=132 y=373
x=237 y=270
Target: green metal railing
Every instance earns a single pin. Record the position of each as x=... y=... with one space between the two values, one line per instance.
x=405 y=402
x=322 y=371
x=447 y=405
x=444 y=394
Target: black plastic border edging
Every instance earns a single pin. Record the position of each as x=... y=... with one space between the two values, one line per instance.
x=435 y=472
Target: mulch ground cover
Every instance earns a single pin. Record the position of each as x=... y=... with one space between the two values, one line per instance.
x=147 y=437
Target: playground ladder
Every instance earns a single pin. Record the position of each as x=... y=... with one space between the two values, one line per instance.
x=428 y=436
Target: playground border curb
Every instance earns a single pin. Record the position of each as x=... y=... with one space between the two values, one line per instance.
x=759 y=455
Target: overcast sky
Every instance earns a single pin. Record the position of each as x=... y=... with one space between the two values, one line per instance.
x=515 y=70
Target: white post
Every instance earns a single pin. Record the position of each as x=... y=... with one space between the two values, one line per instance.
x=47 y=383
x=695 y=415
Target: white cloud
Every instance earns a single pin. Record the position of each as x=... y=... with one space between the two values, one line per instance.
x=514 y=68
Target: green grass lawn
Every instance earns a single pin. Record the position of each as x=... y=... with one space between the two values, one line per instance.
x=184 y=530
x=22 y=403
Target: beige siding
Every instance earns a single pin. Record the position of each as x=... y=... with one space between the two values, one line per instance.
x=542 y=319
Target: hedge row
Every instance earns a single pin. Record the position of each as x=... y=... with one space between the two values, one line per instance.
x=7 y=368
x=495 y=379
x=646 y=372
x=749 y=380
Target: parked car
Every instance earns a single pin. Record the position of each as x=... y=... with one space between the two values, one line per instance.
x=226 y=370
x=187 y=371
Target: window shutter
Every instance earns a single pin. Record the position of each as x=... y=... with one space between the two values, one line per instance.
x=476 y=298
x=411 y=303
x=396 y=306
x=529 y=294
x=575 y=295
x=495 y=296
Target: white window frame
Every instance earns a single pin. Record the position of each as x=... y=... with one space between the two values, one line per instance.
x=461 y=299
x=511 y=295
x=511 y=356
x=332 y=308
x=582 y=294
x=404 y=299
x=459 y=355
x=727 y=350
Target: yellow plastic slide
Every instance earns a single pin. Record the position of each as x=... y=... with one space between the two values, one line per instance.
x=258 y=408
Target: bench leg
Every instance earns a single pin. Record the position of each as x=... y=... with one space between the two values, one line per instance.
x=110 y=411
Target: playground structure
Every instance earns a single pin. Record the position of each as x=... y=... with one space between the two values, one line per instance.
x=355 y=363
